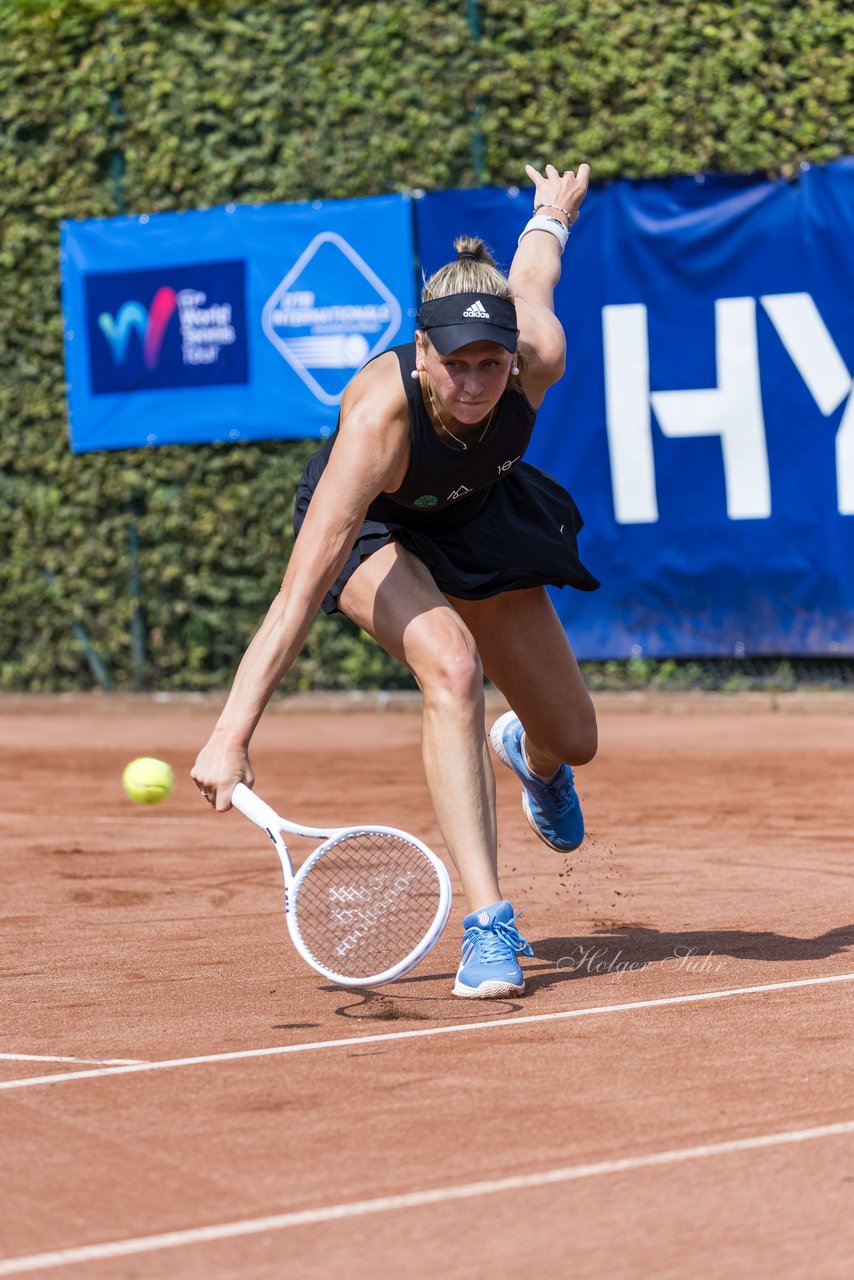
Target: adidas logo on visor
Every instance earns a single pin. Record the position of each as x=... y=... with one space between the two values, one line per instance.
x=477 y=311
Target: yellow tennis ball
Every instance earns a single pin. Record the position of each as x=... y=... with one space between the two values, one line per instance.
x=147 y=781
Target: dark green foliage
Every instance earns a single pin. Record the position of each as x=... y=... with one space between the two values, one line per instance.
x=673 y=86
x=141 y=105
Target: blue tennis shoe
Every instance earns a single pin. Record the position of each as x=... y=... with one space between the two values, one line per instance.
x=552 y=807
x=488 y=966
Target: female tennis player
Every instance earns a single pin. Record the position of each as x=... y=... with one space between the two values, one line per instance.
x=420 y=521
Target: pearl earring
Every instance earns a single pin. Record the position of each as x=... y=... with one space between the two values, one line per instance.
x=514 y=369
x=415 y=374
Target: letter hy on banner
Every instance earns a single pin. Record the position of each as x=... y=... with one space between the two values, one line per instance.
x=241 y=323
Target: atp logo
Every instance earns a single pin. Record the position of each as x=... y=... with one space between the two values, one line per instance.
x=150 y=324
x=167 y=327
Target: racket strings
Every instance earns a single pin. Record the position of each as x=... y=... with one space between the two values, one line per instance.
x=365 y=902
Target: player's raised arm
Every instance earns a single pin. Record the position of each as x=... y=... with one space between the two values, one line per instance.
x=535 y=271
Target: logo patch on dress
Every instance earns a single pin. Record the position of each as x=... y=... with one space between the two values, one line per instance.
x=426 y=500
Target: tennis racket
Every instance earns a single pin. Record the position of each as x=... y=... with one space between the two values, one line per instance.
x=366 y=906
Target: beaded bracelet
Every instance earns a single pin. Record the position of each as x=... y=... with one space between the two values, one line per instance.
x=559 y=208
x=541 y=222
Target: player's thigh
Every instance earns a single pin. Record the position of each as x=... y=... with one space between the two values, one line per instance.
x=527 y=655
x=392 y=596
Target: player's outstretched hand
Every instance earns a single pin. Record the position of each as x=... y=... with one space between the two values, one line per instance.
x=217 y=771
x=560 y=190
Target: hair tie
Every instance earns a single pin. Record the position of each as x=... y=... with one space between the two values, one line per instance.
x=467 y=253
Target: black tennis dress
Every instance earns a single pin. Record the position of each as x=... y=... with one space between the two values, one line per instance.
x=482 y=520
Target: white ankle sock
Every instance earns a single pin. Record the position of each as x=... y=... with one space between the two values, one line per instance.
x=539 y=776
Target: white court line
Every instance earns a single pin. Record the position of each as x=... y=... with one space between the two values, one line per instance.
x=44 y=1057
x=411 y=1200
x=278 y=1050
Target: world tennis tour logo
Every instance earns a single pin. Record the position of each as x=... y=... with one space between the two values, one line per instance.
x=167 y=327
x=329 y=315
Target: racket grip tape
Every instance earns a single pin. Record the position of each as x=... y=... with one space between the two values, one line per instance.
x=255 y=809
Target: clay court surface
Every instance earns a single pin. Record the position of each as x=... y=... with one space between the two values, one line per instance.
x=673 y=1097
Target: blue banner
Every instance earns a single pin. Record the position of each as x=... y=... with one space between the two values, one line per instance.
x=241 y=323
x=705 y=423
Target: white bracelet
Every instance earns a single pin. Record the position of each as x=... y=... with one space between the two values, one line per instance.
x=553 y=225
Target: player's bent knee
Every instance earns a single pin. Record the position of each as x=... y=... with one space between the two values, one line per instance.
x=586 y=739
x=450 y=670
x=577 y=744
x=586 y=749
x=457 y=678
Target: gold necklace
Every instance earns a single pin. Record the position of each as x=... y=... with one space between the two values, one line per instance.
x=448 y=431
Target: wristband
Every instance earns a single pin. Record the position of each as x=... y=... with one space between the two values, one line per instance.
x=553 y=225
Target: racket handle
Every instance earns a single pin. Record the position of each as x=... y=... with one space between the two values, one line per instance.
x=255 y=809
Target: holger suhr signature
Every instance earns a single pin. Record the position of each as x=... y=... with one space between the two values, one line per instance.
x=598 y=960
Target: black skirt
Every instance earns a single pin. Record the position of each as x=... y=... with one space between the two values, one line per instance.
x=522 y=535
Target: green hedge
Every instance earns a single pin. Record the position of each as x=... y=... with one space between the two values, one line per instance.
x=144 y=106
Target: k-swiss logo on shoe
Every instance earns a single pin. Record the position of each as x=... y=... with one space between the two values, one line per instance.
x=483 y=918
x=477 y=311
x=458 y=493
